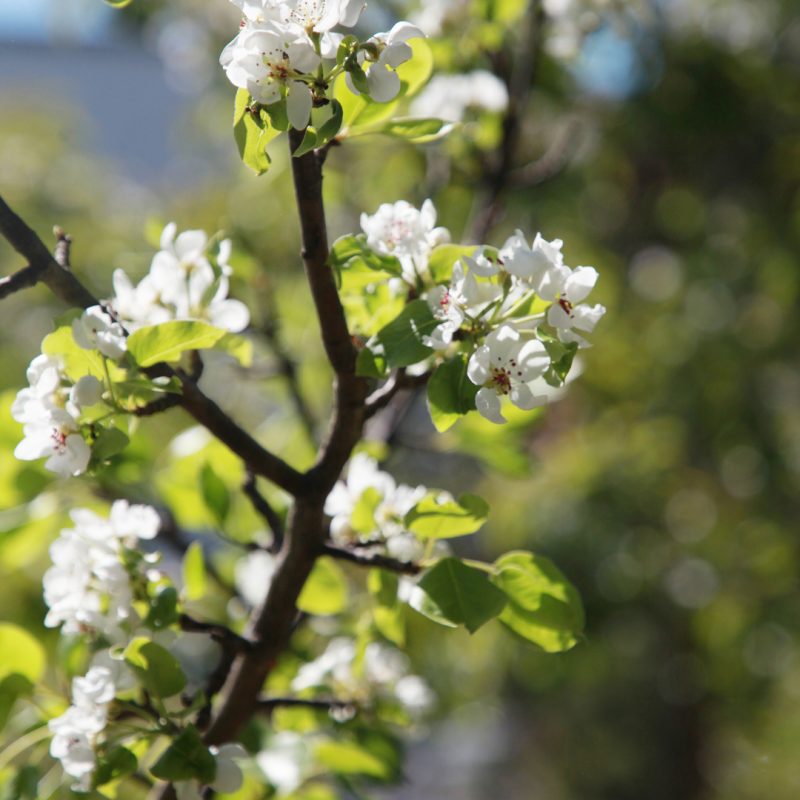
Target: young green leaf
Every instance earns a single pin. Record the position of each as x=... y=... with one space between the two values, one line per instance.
x=253 y=131
x=401 y=340
x=109 y=442
x=185 y=759
x=20 y=653
x=163 y=609
x=156 y=668
x=434 y=518
x=168 y=341
x=194 y=572
x=451 y=394
x=543 y=606
x=463 y=595
x=349 y=758
x=215 y=493
x=325 y=591
x=113 y=765
x=444 y=258
x=418 y=130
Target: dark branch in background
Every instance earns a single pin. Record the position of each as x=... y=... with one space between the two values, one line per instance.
x=288 y=370
x=400 y=380
x=222 y=635
x=25 y=278
x=555 y=159
x=365 y=558
x=269 y=704
x=43 y=267
x=262 y=506
x=519 y=77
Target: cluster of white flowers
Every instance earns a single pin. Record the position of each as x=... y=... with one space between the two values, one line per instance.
x=182 y=283
x=381 y=672
x=89 y=591
x=484 y=298
x=407 y=233
x=49 y=410
x=388 y=502
x=283 y=44
x=88 y=588
x=450 y=97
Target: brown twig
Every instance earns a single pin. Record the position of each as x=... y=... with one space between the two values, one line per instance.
x=518 y=77
x=365 y=558
x=269 y=704
x=225 y=637
x=262 y=506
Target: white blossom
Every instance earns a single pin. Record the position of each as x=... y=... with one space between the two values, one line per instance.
x=266 y=61
x=88 y=391
x=96 y=330
x=531 y=263
x=503 y=366
x=398 y=229
x=393 y=50
x=450 y=97
x=253 y=576
x=568 y=313
x=54 y=434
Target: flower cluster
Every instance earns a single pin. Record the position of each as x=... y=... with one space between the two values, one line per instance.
x=50 y=410
x=450 y=97
x=90 y=590
x=184 y=282
x=380 y=672
x=519 y=313
x=89 y=587
x=286 y=51
x=368 y=508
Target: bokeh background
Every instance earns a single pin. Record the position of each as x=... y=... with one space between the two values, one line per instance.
x=661 y=141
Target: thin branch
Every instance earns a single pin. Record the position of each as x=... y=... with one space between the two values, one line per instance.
x=288 y=370
x=158 y=406
x=62 y=283
x=262 y=506
x=519 y=78
x=225 y=637
x=399 y=381
x=269 y=704
x=554 y=160
x=25 y=278
x=365 y=558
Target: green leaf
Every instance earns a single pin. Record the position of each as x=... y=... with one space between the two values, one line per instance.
x=415 y=72
x=451 y=394
x=463 y=594
x=118 y=3
x=186 y=758
x=163 y=609
x=362 y=520
x=444 y=258
x=349 y=758
x=331 y=127
x=325 y=591
x=168 y=341
x=352 y=252
x=416 y=129
x=370 y=365
x=237 y=346
x=20 y=653
x=215 y=493
x=389 y=613
x=12 y=688
x=543 y=606
x=194 y=572
x=156 y=668
x=109 y=442
x=77 y=361
x=433 y=519
x=253 y=131
x=308 y=144
x=113 y=765
x=400 y=342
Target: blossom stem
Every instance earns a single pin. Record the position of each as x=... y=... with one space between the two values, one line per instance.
x=22 y=744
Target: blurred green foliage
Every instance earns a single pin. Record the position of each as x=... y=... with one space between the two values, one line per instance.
x=664 y=485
